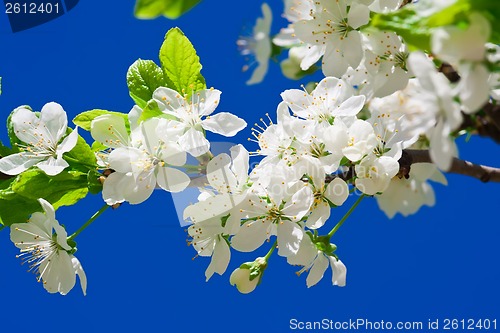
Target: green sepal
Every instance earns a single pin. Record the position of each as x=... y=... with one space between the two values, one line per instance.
x=150 y=9
x=143 y=78
x=180 y=63
x=323 y=244
x=72 y=243
x=84 y=119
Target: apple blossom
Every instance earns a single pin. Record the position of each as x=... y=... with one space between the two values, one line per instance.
x=258 y=46
x=146 y=163
x=407 y=196
x=188 y=114
x=45 y=249
x=465 y=50
x=316 y=262
x=42 y=137
x=332 y=31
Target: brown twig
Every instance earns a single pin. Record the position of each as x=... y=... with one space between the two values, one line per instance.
x=458 y=166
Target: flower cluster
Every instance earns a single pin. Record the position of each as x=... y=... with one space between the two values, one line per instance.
x=149 y=153
x=348 y=135
x=315 y=154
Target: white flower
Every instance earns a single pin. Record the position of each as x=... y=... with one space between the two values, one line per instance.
x=373 y=174
x=42 y=136
x=146 y=163
x=383 y=70
x=248 y=275
x=274 y=208
x=407 y=196
x=316 y=262
x=258 y=46
x=465 y=50
x=331 y=98
x=48 y=254
x=276 y=141
x=189 y=114
x=438 y=96
x=355 y=142
x=295 y=10
x=208 y=238
x=336 y=191
x=414 y=115
x=110 y=130
x=228 y=177
x=332 y=33
x=227 y=174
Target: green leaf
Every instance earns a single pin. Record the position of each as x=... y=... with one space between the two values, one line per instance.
x=81 y=157
x=180 y=63
x=143 y=77
x=407 y=24
x=64 y=189
x=150 y=9
x=17 y=210
x=151 y=110
x=459 y=12
x=84 y=119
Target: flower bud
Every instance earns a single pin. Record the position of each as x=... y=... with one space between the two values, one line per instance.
x=248 y=275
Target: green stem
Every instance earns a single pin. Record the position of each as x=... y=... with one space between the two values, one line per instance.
x=349 y=212
x=89 y=222
x=268 y=255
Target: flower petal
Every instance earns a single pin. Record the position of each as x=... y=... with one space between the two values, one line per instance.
x=224 y=123
x=339 y=272
x=55 y=120
x=289 y=236
x=110 y=130
x=317 y=270
x=172 y=180
x=52 y=166
x=77 y=266
x=220 y=259
x=57 y=273
x=194 y=142
x=337 y=191
x=68 y=143
x=16 y=163
x=251 y=236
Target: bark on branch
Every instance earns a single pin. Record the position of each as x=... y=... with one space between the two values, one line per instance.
x=462 y=167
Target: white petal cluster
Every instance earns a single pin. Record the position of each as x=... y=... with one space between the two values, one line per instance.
x=465 y=50
x=44 y=140
x=151 y=153
x=316 y=139
x=257 y=46
x=331 y=31
x=44 y=248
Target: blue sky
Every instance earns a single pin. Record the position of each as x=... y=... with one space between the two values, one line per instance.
x=440 y=263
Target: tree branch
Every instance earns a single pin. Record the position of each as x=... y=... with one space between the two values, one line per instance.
x=458 y=166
